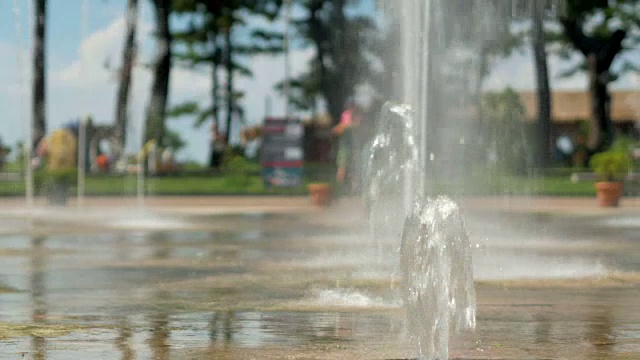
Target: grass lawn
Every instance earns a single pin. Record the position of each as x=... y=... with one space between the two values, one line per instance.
x=170 y=185
x=541 y=186
x=550 y=185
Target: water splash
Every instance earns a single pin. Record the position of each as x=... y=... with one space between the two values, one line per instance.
x=437 y=137
x=391 y=171
x=438 y=289
x=435 y=253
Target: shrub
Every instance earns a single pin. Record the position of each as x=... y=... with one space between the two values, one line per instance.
x=611 y=165
x=237 y=170
x=45 y=179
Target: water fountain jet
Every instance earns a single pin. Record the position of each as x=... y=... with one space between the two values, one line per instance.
x=437 y=276
x=441 y=47
x=442 y=56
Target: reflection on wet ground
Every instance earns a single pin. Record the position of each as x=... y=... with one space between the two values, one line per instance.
x=259 y=286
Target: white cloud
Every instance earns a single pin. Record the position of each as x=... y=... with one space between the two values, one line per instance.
x=97 y=49
x=100 y=56
x=87 y=86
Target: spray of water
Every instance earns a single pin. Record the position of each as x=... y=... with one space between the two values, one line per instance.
x=437 y=276
x=442 y=70
x=391 y=169
x=435 y=254
x=22 y=84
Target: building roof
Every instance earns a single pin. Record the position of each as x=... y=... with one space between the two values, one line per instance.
x=570 y=106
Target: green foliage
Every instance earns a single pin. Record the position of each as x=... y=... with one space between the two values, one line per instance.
x=624 y=144
x=204 y=42
x=237 y=170
x=4 y=150
x=192 y=165
x=343 y=41
x=506 y=131
x=187 y=108
x=597 y=20
x=558 y=184
x=46 y=180
x=611 y=165
x=172 y=139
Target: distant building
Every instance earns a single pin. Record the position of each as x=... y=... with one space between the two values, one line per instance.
x=571 y=108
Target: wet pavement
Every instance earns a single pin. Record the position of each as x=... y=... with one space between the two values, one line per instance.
x=193 y=281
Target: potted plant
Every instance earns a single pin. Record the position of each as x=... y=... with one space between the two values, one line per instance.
x=320 y=193
x=611 y=166
x=320 y=186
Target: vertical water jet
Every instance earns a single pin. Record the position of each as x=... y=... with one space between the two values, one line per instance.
x=437 y=276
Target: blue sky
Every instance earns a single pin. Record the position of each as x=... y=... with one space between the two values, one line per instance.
x=79 y=84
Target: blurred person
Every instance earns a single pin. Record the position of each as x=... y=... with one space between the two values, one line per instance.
x=58 y=150
x=103 y=162
x=167 y=156
x=580 y=156
x=564 y=150
x=167 y=160
x=4 y=151
x=218 y=144
x=350 y=134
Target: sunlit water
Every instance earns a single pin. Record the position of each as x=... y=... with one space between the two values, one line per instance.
x=435 y=135
x=438 y=288
x=265 y=286
x=136 y=284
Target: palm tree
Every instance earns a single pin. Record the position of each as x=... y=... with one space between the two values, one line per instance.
x=542 y=81
x=126 y=72
x=210 y=41
x=341 y=63
x=156 y=111
x=39 y=123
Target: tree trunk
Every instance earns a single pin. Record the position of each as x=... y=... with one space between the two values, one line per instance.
x=542 y=83
x=332 y=90
x=126 y=69
x=155 y=126
x=39 y=124
x=335 y=106
x=215 y=60
x=339 y=92
x=600 y=53
x=230 y=99
x=601 y=128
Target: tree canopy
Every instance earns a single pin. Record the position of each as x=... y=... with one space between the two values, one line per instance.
x=601 y=31
x=219 y=35
x=342 y=44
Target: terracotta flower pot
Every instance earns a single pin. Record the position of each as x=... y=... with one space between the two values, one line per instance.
x=609 y=193
x=320 y=193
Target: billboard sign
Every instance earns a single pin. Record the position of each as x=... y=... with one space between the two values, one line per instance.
x=282 y=152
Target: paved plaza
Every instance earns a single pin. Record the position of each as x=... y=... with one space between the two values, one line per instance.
x=277 y=278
